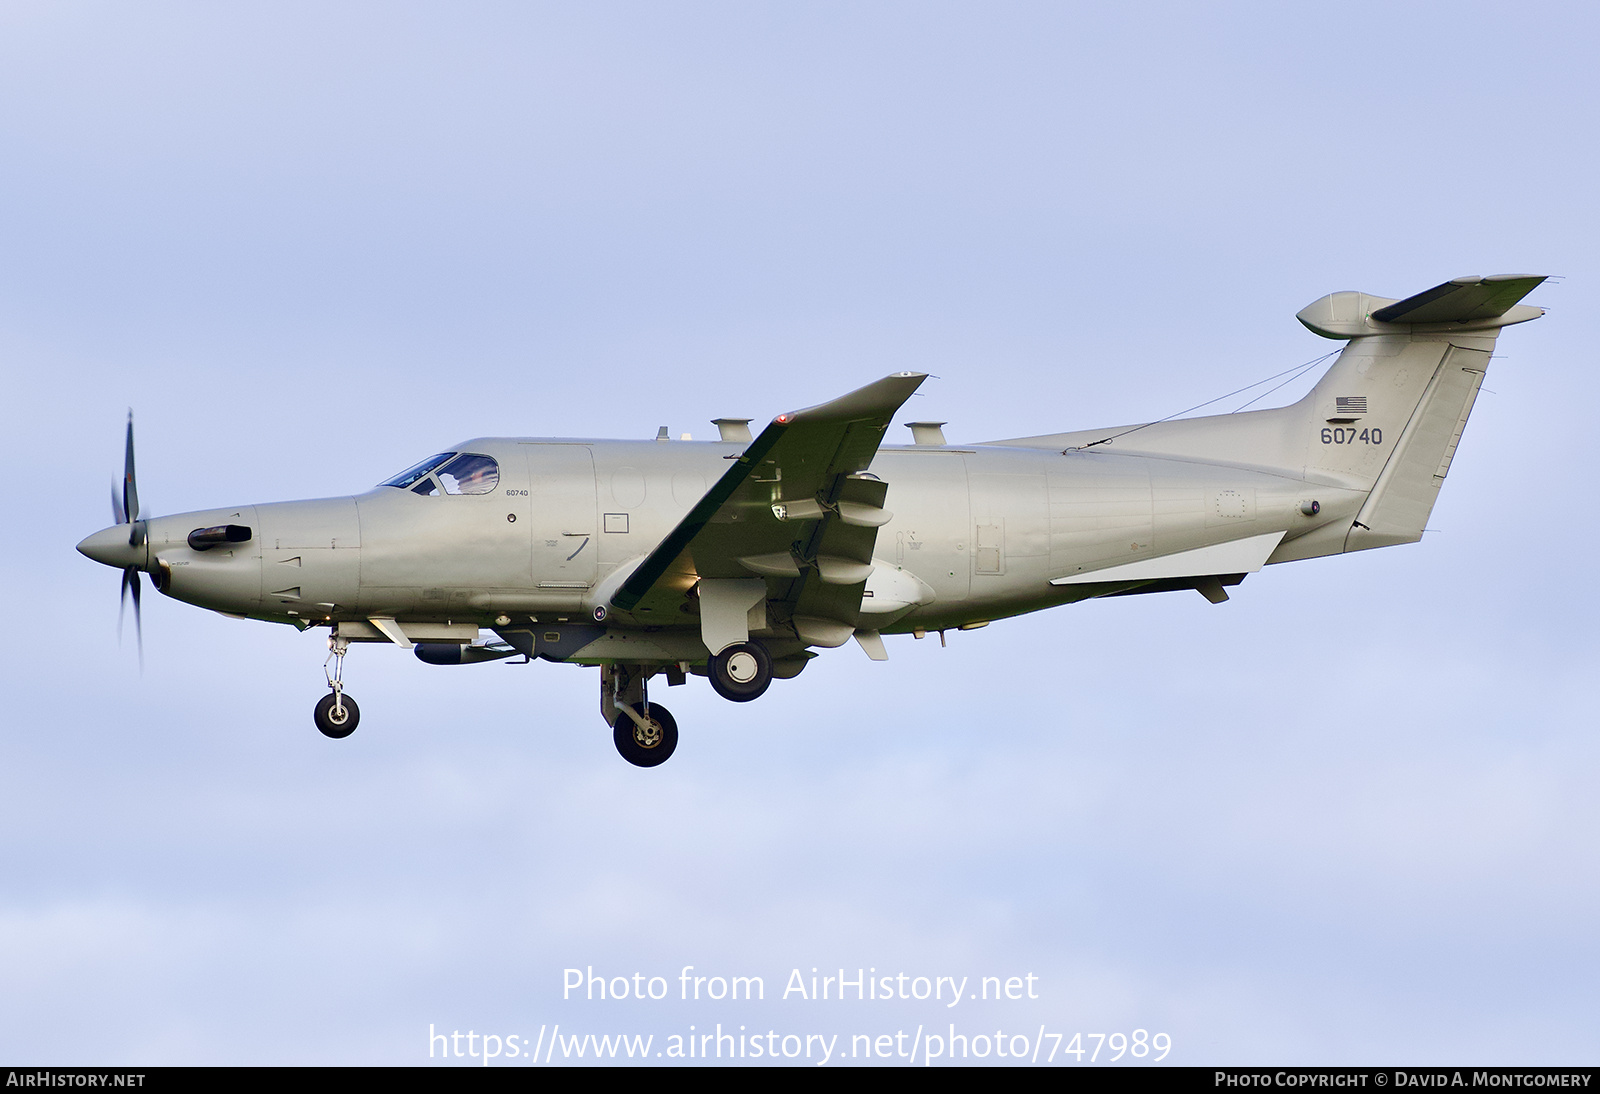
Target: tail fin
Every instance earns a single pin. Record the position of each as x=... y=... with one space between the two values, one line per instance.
x=1386 y=418
x=1383 y=421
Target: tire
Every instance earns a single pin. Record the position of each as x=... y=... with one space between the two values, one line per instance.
x=634 y=745
x=741 y=672
x=326 y=719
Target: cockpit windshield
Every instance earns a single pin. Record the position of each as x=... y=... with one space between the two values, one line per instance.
x=449 y=473
x=412 y=474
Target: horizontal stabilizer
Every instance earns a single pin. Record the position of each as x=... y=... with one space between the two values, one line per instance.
x=1461 y=300
x=1466 y=303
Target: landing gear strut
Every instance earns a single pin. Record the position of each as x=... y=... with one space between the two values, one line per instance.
x=741 y=672
x=645 y=733
x=336 y=715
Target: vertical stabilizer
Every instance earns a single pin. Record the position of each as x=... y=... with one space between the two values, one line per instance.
x=1388 y=415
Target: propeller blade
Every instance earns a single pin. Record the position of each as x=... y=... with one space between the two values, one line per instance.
x=138 y=618
x=125 y=508
x=122 y=603
x=130 y=488
x=130 y=583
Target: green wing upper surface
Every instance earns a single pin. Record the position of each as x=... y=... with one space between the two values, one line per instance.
x=794 y=508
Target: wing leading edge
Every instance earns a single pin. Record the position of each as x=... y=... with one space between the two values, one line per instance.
x=793 y=512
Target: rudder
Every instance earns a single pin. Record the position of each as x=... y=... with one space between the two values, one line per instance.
x=1397 y=510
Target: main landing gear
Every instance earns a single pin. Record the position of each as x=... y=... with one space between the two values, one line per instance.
x=741 y=672
x=336 y=714
x=645 y=733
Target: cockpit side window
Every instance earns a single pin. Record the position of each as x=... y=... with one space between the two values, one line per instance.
x=412 y=474
x=470 y=473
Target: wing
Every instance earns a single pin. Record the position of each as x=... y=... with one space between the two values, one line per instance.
x=794 y=511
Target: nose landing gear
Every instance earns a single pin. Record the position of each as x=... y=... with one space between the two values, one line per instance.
x=645 y=733
x=336 y=715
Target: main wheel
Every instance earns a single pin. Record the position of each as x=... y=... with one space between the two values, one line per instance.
x=650 y=744
x=741 y=672
x=334 y=723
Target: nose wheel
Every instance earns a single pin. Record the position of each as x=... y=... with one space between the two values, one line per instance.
x=645 y=734
x=336 y=714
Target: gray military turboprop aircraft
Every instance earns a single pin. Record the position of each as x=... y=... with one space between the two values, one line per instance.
x=734 y=559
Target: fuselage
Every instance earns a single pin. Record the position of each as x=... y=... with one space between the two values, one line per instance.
x=978 y=533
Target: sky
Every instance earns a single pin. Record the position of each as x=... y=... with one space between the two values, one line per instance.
x=1345 y=818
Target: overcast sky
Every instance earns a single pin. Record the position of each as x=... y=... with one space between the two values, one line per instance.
x=1347 y=817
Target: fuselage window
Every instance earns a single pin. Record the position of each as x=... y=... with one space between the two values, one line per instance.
x=412 y=474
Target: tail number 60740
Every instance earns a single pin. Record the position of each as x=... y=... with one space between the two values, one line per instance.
x=1351 y=435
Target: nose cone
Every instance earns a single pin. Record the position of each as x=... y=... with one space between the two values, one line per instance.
x=109 y=547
